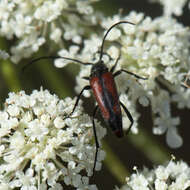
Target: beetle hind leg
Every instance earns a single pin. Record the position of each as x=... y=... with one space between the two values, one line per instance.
x=129 y=116
x=95 y=137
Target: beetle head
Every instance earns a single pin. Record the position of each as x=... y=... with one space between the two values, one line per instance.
x=98 y=69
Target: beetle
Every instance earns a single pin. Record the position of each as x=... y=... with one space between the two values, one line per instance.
x=102 y=83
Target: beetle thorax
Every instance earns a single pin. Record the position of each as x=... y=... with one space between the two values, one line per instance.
x=98 y=69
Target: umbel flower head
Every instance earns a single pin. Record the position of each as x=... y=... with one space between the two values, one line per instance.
x=155 y=48
x=33 y=23
x=173 y=176
x=41 y=150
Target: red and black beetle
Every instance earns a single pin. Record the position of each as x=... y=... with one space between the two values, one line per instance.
x=104 y=89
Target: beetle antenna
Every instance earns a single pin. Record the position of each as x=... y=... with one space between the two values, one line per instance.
x=53 y=57
x=114 y=25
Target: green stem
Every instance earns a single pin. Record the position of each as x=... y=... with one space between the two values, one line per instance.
x=114 y=164
x=10 y=76
x=154 y=151
x=55 y=81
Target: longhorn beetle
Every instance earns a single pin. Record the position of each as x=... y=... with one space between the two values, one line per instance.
x=105 y=92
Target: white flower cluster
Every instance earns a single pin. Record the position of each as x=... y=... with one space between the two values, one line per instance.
x=33 y=23
x=155 y=48
x=41 y=150
x=173 y=176
x=172 y=6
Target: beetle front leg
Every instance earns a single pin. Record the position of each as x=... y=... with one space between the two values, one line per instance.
x=104 y=53
x=128 y=72
x=113 y=68
x=78 y=98
x=128 y=115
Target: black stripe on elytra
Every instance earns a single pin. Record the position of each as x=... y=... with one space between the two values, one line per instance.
x=114 y=120
x=107 y=97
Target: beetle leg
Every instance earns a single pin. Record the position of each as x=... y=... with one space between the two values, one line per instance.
x=104 y=53
x=78 y=98
x=128 y=115
x=113 y=68
x=86 y=78
x=95 y=137
x=128 y=72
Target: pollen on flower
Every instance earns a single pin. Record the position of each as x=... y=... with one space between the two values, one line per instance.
x=38 y=144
